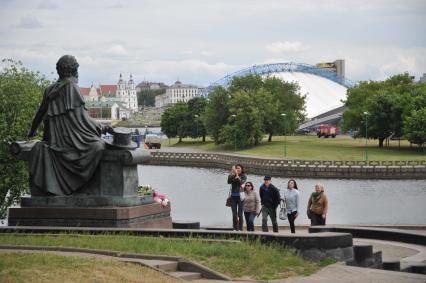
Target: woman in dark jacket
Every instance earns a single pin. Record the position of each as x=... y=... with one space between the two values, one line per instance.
x=237 y=178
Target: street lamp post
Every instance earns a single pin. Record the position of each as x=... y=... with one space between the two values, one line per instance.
x=235 y=132
x=366 y=135
x=196 y=121
x=285 y=136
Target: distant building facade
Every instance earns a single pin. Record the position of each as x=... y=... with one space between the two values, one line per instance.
x=160 y=101
x=423 y=79
x=111 y=102
x=126 y=93
x=150 y=85
x=177 y=92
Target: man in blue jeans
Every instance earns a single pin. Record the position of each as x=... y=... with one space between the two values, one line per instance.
x=270 y=199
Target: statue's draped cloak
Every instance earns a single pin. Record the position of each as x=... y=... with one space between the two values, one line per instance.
x=71 y=149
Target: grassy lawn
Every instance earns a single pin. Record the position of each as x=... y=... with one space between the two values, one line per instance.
x=313 y=148
x=47 y=267
x=236 y=259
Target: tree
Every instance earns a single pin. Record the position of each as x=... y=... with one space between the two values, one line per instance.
x=196 y=109
x=271 y=97
x=415 y=127
x=20 y=94
x=386 y=103
x=168 y=125
x=250 y=82
x=288 y=100
x=216 y=113
x=176 y=121
x=246 y=127
x=146 y=97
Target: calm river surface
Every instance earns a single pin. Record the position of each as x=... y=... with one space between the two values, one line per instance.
x=199 y=194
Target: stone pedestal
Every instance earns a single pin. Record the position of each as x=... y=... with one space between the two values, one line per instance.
x=109 y=200
x=152 y=215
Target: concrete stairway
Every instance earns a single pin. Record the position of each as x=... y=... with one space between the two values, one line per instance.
x=172 y=268
x=364 y=256
x=186 y=271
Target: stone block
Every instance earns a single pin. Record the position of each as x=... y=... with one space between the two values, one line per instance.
x=144 y=216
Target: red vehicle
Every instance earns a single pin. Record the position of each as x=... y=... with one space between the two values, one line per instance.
x=326 y=130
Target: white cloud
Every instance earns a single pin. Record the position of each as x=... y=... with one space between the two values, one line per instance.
x=400 y=65
x=47 y=5
x=117 y=5
x=206 y=53
x=29 y=22
x=286 y=46
x=188 y=65
x=116 y=50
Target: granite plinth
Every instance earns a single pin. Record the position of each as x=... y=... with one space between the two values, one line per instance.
x=84 y=201
x=152 y=215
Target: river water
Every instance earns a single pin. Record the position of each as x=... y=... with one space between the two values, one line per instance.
x=199 y=194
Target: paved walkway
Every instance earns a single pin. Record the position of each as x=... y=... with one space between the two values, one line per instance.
x=348 y=274
x=342 y=273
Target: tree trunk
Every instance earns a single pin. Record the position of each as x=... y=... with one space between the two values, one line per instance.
x=381 y=142
x=180 y=139
x=270 y=137
x=204 y=138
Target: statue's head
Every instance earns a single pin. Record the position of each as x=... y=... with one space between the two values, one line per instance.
x=67 y=67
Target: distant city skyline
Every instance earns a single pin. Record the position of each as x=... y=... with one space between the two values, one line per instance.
x=201 y=41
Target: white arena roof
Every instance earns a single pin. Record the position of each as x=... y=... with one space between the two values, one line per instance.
x=322 y=94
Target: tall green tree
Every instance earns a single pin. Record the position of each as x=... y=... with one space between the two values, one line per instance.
x=289 y=101
x=250 y=82
x=196 y=109
x=415 y=127
x=245 y=128
x=176 y=121
x=271 y=96
x=216 y=113
x=21 y=91
x=386 y=103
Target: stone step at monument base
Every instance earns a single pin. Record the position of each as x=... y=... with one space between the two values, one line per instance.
x=152 y=215
x=85 y=201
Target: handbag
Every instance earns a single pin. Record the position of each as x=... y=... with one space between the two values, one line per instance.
x=228 y=202
x=309 y=214
x=283 y=211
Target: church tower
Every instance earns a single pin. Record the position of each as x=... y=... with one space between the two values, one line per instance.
x=121 y=87
x=133 y=99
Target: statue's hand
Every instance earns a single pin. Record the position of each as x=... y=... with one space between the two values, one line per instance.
x=32 y=133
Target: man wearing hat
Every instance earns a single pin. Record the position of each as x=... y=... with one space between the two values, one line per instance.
x=270 y=199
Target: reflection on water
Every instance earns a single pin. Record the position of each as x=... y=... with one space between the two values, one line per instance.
x=200 y=194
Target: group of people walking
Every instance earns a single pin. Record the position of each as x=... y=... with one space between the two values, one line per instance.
x=243 y=199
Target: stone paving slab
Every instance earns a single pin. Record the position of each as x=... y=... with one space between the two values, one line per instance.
x=350 y=274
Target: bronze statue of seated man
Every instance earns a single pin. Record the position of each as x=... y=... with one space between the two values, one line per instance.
x=67 y=157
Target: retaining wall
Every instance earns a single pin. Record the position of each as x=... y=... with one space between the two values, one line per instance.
x=296 y=168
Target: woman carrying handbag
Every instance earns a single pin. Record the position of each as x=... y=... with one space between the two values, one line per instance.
x=236 y=179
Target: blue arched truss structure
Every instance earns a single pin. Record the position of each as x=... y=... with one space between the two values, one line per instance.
x=265 y=69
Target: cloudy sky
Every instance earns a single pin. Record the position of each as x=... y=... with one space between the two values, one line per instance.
x=200 y=41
